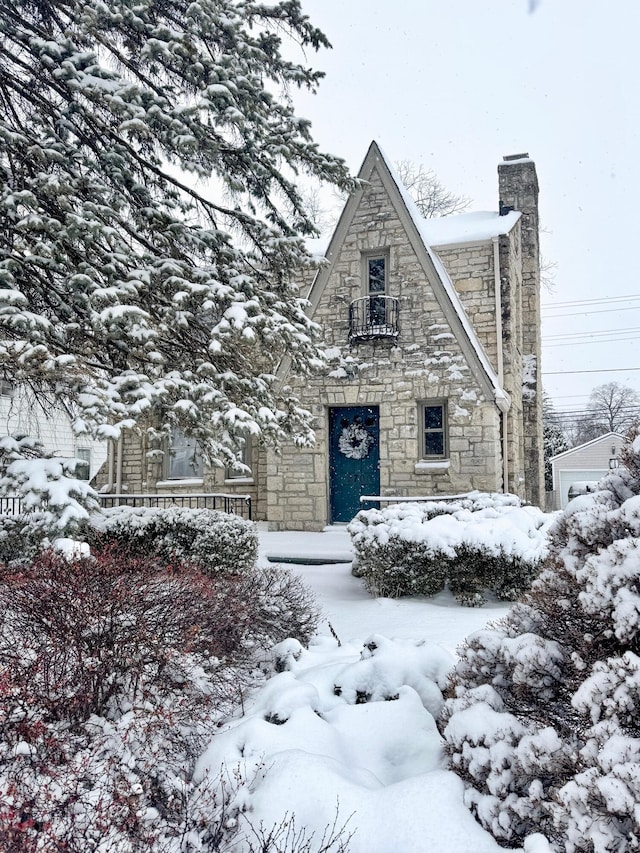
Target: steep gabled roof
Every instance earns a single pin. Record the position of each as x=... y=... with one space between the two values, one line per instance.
x=608 y=436
x=443 y=288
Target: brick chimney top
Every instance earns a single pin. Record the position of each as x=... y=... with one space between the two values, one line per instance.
x=508 y=157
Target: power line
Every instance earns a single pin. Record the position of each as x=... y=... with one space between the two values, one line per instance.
x=588 y=333
x=596 y=311
x=600 y=370
x=613 y=340
x=598 y=409
x=604 y=301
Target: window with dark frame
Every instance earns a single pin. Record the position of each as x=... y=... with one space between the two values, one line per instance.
x=434 y=430
x=246 y=457
x=376 y=288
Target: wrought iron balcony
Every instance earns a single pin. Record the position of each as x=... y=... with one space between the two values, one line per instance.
x=373 y=317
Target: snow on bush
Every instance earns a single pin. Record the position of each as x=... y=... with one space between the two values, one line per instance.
x=542 y=720
x=115 y=670
x=52 y=501
x=333 y=724
x=482 y=542
x=218 y=541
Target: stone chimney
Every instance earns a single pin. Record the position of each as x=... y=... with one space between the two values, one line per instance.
x=518 y=190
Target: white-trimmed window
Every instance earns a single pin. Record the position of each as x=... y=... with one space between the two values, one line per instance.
x=6 y=388
x=184 y=457
x=434 y=442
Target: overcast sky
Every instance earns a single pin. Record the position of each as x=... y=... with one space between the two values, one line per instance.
x=456 y=84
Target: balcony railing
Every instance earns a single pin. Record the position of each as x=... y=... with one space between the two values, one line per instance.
x=373 y=317
x=11 y=505
x=238 y=504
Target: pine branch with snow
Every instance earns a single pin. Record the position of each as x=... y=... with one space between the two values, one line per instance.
x=152 y=224
x=53 y=501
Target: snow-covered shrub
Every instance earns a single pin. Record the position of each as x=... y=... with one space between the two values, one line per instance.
x=398 y=567
x=19 y=539
x=542 y=720
x=82 y=635
x=479 y=543
x=53 y=502
x=279 y=606
x=386 y=666
x=111 y=674
x=217 y=541
x=114 y=671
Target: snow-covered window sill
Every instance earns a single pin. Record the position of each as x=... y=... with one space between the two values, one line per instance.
x=230 y=481
x=180 y=484
x=425 y=466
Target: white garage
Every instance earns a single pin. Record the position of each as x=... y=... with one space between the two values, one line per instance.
x=578 y=470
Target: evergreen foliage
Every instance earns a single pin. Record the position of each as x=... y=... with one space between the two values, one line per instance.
x=543 y=716
x=151 y=223
x=215 y=541
x=476 y=544
x=49 y=500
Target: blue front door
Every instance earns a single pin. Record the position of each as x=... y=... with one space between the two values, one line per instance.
x=354 y=459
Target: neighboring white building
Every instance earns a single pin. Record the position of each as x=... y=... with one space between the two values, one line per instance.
x=22 y=414
x=575 y=471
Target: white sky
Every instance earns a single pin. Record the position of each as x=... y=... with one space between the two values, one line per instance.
x=456 y=84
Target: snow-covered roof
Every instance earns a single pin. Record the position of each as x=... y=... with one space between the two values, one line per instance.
x=475 y=227
x=468 y=227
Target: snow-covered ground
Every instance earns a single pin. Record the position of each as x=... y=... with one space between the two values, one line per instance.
x=311 y=749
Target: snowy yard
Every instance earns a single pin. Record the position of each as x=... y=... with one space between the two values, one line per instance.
x=311 y=748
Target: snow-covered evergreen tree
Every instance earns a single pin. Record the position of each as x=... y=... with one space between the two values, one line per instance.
x=543 y=718
x=151 y=223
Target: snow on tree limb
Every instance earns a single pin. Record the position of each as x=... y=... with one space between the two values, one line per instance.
x=45 y=484
x=152 y=226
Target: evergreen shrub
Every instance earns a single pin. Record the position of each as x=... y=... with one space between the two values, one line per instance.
x=217 y=541
x=477 y=544
x=542 y=719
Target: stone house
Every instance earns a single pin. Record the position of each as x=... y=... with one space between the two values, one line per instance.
x=432 y=336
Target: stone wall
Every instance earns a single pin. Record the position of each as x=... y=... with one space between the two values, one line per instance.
x=518 y=187
x=426 y=362
x=471 y=270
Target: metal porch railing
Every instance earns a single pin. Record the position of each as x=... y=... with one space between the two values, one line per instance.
x=237 y=504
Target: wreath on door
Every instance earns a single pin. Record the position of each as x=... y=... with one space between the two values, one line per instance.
x=355 y=442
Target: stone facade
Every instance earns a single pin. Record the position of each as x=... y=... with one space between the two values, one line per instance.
x=134 y=467
x=518 y=188
x=466 y=292
x=488 y=449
